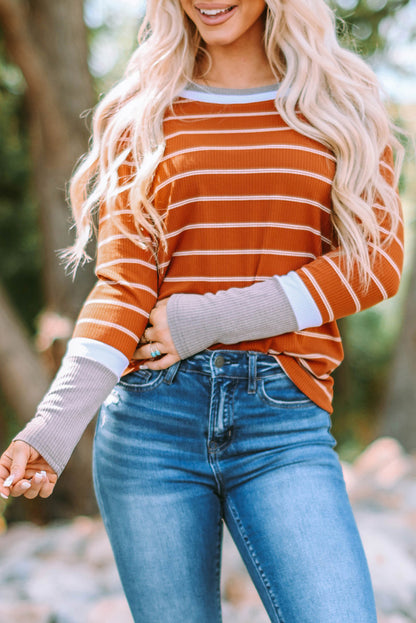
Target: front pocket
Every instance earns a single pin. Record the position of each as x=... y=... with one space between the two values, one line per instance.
x=142 y=380
x=281 y=392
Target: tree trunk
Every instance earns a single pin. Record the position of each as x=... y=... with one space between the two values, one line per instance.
x=47 y=40
x=19 y=364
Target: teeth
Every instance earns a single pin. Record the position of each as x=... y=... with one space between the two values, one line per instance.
x=215 y=12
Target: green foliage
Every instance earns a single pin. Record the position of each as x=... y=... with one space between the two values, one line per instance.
x=369 y=339
x=19 y=231
x=361 y=22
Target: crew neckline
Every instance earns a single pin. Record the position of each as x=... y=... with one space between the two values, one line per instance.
x=221 y=95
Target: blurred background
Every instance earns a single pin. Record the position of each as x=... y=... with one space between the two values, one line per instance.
x=56 y=59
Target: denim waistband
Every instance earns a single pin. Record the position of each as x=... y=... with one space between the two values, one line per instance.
x=231 y=364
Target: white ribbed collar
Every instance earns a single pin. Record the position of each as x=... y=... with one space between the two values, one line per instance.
x=217 y=95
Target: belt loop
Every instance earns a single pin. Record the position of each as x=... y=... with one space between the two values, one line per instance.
x=252 y=373
x=171 y=373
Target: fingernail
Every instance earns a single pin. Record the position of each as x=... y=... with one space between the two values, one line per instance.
x=143 y=367
x=25 y=485
x=5 y=497
x=9 y=481
x=38 y=477
x=43 y=473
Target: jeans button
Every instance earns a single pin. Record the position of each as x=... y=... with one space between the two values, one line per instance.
x=219 y=361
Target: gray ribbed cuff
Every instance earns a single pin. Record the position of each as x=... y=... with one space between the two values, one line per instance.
x=197 y=321
x=78 y=390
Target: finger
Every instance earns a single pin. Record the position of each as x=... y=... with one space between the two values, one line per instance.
x=149 y=351
x=20 y=488
x=162 y=302
x=5 y=462
x=15 y=458
x=36 y=484
x=139 y=353
x=47 y=489
x=149 y=334
x=160 y=364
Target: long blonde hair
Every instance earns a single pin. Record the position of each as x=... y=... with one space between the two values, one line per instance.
x=326 y=92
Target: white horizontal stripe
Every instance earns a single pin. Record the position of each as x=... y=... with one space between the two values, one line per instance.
x=226 y=132
x=314 y=357
x=320 y=292
x=129 y=284
x=213 y=252
x=384 y=165
x=320 y=385
x=223 y=115
x=345 y=282
x=234 y=198
x=117 y=303
x=387 y=258
x=106 y=323
x=112 y=239
x=115 y=213
x=379 y=286
x=396 y=239
x=304 y=307
x=315 y=377
x=382 y=208
x=252 y=171
x=319 y=336
x=124 y=260
x=248 y=225
x=138 y=243
x=102 y=353
x=214 y=279
x=229 y=148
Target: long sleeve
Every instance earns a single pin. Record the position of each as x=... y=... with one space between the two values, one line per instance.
x=117 y=310
x=77 y=392
x=106 y=334
x=338 y=293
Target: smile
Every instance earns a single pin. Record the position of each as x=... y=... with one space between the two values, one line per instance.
x=215 y=12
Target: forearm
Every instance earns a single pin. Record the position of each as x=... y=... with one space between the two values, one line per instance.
x=78 y=390
x=239 y=314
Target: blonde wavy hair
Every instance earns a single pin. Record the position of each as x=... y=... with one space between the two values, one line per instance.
x=326 y=92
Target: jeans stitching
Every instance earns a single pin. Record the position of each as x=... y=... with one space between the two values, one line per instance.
x=250 y=550
x=218 y=568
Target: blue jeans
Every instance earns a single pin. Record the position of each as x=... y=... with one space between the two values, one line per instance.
x=226 y=436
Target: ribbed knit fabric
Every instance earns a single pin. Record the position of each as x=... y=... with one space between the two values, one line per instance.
x=244 y=198
x=73 y=399
x=229 y=316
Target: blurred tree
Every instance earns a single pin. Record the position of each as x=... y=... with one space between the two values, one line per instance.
x=47 y=41
x=398 y=413
x=364 y=376
x=362 y=21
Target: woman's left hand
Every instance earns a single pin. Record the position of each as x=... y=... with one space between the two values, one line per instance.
x=157 y=339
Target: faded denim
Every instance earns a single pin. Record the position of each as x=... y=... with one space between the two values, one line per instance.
x=226 y=436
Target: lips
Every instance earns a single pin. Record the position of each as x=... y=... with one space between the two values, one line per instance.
x=213 y=14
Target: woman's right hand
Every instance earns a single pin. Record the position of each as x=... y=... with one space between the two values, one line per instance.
x=23 y=471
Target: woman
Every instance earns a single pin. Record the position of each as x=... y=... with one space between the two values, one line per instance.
x=243 y=168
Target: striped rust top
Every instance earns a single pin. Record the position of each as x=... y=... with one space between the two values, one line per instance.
x=244 y=197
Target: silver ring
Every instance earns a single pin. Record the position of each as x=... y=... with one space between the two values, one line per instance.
x=155 y=353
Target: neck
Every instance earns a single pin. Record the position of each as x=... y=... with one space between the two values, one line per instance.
x=238 y=66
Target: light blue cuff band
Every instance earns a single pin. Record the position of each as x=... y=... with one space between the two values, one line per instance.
x=304 y=307
x=104 y=354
